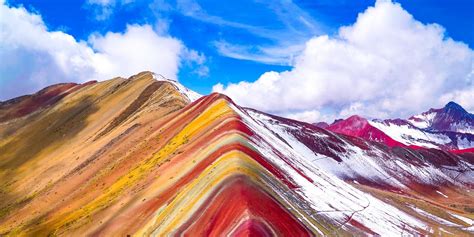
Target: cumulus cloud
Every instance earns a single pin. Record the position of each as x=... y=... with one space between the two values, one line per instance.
x=386 y=64
x=34 y=56
x=139 y=47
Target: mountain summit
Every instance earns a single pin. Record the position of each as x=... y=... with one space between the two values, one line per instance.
x=449 y=128
x=146 y=156
x=451 y=118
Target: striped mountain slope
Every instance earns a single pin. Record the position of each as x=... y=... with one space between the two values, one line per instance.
x=145 y=156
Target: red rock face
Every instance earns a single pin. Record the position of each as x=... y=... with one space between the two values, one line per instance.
x=467 y=150
x=241 y=208
x=359 y=127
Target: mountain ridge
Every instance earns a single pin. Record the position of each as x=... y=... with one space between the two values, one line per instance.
x=166 y=165
x=447 y=128
x=445 y=119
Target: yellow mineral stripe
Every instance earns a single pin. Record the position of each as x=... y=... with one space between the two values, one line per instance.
x=188 y=201
x=185 y=166
x=216 y=110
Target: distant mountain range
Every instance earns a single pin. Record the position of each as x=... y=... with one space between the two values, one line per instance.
x=147 y=156
x=449 y=128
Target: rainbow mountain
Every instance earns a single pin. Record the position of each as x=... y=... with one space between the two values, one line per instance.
x=146 y=156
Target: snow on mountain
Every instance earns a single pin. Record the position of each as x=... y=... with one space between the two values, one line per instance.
x=325 y=158
x=448 y=128
x=410 y=135
x=423 y=120
x=452 y=117
x=190 y=94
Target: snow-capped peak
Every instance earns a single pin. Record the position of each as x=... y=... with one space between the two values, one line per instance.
x=423 y=120
x=448 y=128
x=451 y=118
x=189 y=94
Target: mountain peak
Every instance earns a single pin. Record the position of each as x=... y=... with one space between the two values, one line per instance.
x=349 y=126
x=160 y=77
x=454 y=107
x=189 y=94
x=356 y=118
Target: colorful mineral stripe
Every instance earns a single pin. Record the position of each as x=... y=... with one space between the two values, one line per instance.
x=144 y=156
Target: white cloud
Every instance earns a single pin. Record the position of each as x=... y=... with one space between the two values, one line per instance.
x=276 y=55
x=310 y=116
x=101 y=2
x=385 y=64
x=138 y=48
x=104 y=9
x=196 y=60
x=34 y=57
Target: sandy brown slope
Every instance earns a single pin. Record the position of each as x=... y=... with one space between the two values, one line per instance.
x=46 y=158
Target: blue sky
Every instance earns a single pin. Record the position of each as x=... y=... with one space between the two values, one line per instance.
x=237 y=40
x=79 y=19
